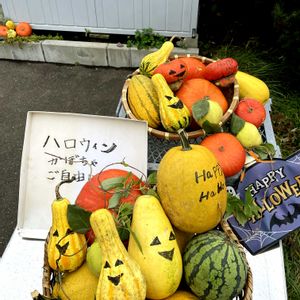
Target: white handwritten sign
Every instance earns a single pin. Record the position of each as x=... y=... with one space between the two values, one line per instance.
x=58 y=146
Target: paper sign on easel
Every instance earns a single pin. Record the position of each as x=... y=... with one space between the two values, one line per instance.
x=58 y=146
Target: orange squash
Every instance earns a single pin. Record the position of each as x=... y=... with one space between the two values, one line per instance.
x=197 y=89
x=194 y=68
x=3 y=31
x=24 y=29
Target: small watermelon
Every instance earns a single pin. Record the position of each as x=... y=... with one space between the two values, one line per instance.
x=214 y=267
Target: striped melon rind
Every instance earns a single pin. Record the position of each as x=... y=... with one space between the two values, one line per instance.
x=214 y=267
x=143 y=100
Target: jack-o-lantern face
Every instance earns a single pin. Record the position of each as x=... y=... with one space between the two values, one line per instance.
x=161 y=243
x=172 y=71
x=114 y=272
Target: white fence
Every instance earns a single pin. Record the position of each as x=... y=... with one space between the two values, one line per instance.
x=167 y=17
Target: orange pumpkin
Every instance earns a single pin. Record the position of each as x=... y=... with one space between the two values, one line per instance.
x=197 y=89
x=24 y=29
x=3 y=31
x=251 y=110
x=194 y=68
x=172 y=71
x=229 y=152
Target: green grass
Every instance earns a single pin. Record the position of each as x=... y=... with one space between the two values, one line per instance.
x=285 y=116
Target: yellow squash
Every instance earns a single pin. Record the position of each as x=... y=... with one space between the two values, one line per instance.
x=252 y=87
x=66 y=249
x=143 y=100
x=120 y=276
x=155 y=248
x=191 y=186
x=152 y=60
x=173 y=113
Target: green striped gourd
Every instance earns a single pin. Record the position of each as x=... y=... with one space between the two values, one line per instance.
x=174 y=115
x=214 y=267
x=152 y=60
x=143 y=100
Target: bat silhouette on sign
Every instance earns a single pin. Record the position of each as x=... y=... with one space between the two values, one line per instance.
x=287 y=219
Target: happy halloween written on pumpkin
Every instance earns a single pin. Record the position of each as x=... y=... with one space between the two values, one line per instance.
x=58 y=165
x=207 y=175
x=281 y=192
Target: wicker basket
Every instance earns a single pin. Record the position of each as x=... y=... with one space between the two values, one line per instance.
x=246 y=294
x=231 y=93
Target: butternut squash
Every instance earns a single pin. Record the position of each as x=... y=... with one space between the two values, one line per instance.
x=159 y=257
x=252 y=87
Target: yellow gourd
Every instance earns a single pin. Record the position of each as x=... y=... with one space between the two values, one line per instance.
x=252 y=87
x=143 y=100
x=66 y=249
x=159 y=257
x=152 y=60
x=191 y=186
x=120 y=276
x=173 y=113
x=77 y=285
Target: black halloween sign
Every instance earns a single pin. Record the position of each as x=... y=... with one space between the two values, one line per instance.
x=275 y=187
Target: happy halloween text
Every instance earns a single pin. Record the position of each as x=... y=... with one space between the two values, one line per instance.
x=205 y=175
x=281 y=192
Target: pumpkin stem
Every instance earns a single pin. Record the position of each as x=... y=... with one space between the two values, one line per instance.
x=184 y=140
x=58 y=196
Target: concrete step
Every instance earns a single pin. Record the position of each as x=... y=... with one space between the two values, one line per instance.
x=81 y=53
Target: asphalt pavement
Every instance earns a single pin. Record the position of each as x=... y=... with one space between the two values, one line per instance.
x=30 y=86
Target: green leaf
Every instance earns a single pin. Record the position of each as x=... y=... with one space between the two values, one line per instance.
x=152 y=192
x=236 y=124
x=115 y=200
x=152 y=178
x=211 y=128
x=264 y=151
x=112 y=183
x=78 y=218
x=200 y=109
x=242 y=210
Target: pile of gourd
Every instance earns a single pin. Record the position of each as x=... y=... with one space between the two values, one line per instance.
x=174 y=250
x=183 y=92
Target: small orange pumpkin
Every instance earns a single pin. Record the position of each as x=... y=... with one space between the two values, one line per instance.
x=24 y=29
x=3 y=31
x=172 y=71
x=229 y=152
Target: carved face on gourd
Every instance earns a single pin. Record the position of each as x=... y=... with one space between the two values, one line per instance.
x=164 y=244
x=172 y=71
x=114 y=271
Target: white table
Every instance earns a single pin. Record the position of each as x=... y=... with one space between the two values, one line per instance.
x=22 y=262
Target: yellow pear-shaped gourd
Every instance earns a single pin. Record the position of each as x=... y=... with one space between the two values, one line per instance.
x=155 y=248
x=173 y=113
x=120 y=275
x=252 y=87
x=66 y=249
x=191 y=187
x=152 y=60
